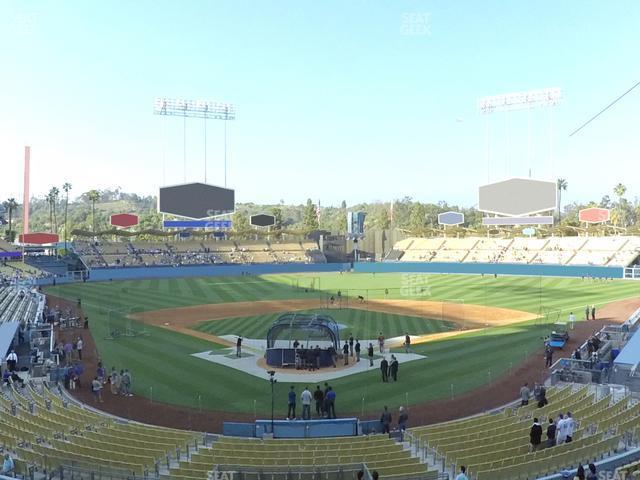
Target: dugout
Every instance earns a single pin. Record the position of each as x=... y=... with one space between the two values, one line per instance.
x=308 y=330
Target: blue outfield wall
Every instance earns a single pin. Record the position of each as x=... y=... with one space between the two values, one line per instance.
x=132 y=273
x=490 y=269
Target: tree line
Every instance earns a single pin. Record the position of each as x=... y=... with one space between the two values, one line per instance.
x=90 y=211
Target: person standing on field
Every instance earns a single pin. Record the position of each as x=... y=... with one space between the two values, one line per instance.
x=318 y=396
x=357 y=350
x=305 y=399
x=381 y=342
x=291 y=404
x=239 y=347
x=370 y=354
x=384 y=368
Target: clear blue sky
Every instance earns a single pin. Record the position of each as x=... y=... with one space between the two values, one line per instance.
x=336 y=100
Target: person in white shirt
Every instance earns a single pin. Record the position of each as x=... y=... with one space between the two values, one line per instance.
x=79 y=347
x=305 y=399
x=12 y=361
x=572 y=320
x=463 y=473
x=561 y=430
x=570 y=426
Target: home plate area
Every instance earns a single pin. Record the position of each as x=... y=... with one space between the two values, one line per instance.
x=253 y=361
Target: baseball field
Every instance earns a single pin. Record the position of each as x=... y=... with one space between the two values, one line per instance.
x=470 y=330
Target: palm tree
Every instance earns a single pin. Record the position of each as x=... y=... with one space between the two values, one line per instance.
x=94 y=196
x=66 y=187
x=10 y=205
x=620 y=190
x=49 y=199
x=562 y=185
x=55 y=194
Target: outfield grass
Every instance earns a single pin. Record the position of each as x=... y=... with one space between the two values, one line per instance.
x=162 y=361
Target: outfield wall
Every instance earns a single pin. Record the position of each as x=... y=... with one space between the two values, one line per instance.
x=490 y=269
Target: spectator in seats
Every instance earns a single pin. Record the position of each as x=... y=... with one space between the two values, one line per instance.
x=393 y=368
x=592 y=475
x=580 y=472
x=357 y=350
x=463 y=473
x=570 y=426
x=125 y=383
x=536 y=391
x=12 y=361
x=551 y=433
x=331 y=403
x=291 y=404
x=403 y=418
x=561 y=430
x=8 y=467
x=577 y=355
x=535 y=435
x=525 y=394
x=542 y=400
x=370 y=354
x=345 y=353
x=305 y=399
x=375 y=475
x=96 y=388
x=384 y=368
x=360 y=475
x=318 y=396
x=385 y=420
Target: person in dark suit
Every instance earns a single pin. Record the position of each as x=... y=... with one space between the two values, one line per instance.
x=551 y=433
x=385 y=420
x=357 y=350
x=384 y=368
x=393 y=368
x=318 y=396
x=351 y=345
x=370 y=354
x=345 y=353
x=535 y=435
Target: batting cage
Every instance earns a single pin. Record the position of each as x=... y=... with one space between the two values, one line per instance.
x=300 y=338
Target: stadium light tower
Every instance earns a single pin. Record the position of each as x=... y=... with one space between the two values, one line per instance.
x=546 y=97
x=207 y=110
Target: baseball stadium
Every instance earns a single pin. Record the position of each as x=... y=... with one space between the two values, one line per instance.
x=201 y=330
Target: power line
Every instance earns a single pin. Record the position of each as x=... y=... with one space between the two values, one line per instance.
x=603 y=110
